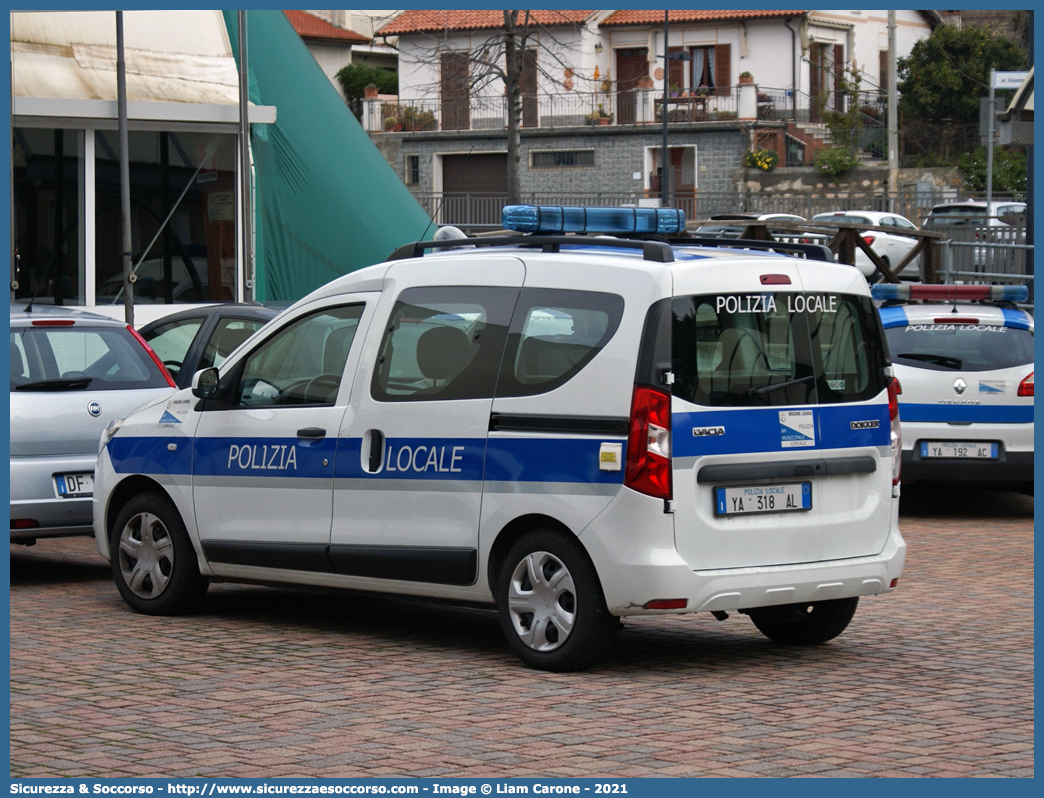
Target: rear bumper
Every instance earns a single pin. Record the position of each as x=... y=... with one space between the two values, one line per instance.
x=1008 y=468
x=633 y=549
x=33 y=497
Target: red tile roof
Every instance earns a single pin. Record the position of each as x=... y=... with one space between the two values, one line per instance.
x=644 y=17
x=416 y=21
x=314 y=28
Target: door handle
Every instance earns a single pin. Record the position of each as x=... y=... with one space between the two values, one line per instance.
x=376 y=450
x=311 y=432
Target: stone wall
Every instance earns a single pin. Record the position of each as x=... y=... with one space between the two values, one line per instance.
x=863 y=180
x=619 y=154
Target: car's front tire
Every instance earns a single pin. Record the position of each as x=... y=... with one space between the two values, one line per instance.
x=552 y=608
x=153 y=562
x=807 y=623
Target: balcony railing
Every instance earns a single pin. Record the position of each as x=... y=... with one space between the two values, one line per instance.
x=629 y=107
x=570 y=109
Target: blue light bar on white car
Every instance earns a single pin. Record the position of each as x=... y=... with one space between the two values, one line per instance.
x=575 y=219
x=950 y=293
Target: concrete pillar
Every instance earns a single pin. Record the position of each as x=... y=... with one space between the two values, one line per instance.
x=371 y=117
x=748 y=102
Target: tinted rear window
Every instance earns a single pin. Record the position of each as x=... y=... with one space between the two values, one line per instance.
x=106 y=359
x=443 y=343
x=960 y=347
x=553 y=336
x=758 y=350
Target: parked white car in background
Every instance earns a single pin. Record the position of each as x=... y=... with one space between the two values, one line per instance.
x=891 y=249
x=974 y=221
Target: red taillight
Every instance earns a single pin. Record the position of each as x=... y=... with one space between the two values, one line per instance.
x=869 y=240
x=649 y=443
x=1026 y=386
x=154 y=356
x=23 y=523
x=895 y=435
x=54 y=323
x=894 y=391
x=666 y=604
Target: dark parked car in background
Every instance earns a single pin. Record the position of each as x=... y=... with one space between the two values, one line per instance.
x=199 y=338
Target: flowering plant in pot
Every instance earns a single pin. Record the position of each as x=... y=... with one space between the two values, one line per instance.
x=746 y=77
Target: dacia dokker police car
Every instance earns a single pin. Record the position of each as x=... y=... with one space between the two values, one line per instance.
x=964 y=362
x=574 y=428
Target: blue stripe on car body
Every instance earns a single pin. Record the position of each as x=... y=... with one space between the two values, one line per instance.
x=1016 y=319
x=757 y=430
x=982 y=414
x=893 y=317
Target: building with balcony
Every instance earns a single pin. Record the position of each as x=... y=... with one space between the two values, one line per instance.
x=593 y=85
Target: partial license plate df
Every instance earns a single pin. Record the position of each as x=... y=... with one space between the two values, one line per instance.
x=74 y=486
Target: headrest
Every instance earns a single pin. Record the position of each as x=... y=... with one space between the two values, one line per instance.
x=442 y=352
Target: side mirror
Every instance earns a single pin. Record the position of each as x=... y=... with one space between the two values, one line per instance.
x=205 y=384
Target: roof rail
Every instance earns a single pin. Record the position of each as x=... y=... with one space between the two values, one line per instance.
x=810 y=251
x=657 y=251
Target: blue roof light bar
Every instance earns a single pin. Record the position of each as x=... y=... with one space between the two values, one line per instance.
x=575 y=219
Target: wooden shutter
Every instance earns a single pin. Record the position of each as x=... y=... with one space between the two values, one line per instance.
x=456 y=108
x=723 y=69
x=839 y=75
x=883 y=72
x=676 y=70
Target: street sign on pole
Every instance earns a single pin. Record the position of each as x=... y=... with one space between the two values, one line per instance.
x=1007 y=80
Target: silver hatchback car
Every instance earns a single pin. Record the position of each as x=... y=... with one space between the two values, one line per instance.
x=72 y=372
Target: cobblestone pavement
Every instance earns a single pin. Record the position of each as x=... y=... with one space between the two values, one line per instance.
x=935 y=679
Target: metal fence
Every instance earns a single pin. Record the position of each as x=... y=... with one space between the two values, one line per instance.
x=468 y=210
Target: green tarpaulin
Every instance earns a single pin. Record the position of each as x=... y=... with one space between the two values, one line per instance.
x=327 y=202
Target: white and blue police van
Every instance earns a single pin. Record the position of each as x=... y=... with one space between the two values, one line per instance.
x=963 y=357
x=588 y=417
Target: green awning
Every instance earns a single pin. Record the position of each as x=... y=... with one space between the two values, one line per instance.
x=327 y=202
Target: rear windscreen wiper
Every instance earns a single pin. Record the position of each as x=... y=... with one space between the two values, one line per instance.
x=770 y=388
x=71 y=384
x=928 y=357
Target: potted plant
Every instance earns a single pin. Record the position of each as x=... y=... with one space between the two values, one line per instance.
x=673 y=90
x=645 y=82
x=746 y=77
x=370 y=91
x=414 y=118
x=390 y=123
x=600 y=117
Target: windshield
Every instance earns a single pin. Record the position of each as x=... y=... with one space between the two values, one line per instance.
x=846 y=219
x=959 y=210
x=963 y=347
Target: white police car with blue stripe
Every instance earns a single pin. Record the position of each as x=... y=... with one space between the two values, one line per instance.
x=964 y=361
x=573 y=428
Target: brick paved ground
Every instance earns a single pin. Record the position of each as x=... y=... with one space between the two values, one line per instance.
x=933 y=680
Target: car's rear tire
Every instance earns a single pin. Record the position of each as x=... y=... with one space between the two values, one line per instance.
x=153 y=562
x=552 y=608
x=805 y=624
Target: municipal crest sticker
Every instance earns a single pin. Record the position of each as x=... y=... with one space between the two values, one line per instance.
x=797 y=429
